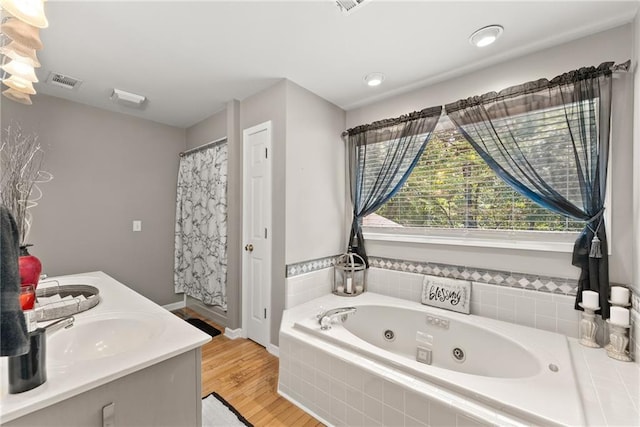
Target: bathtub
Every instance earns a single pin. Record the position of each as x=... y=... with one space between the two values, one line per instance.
x=481 y=369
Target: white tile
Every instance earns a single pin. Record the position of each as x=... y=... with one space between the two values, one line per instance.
x=373 y=409
x=567 y=312
x=570 y=329
x=295 y=367
x=354 y=418
x=323 y=382
x=417 y=406
x=506 y=315
x=506 y=301
x=464 y=421
x=490 y=311
x=545 y=307
x=354 y=377
x=354 y=398
x=489 y=296
x=372 y=386
x=323 y=401
x=370 y=422
x=338 y=390
x=392 y=417
x=525 y=306
x=338 y=411
x=323 y=362
x=308 y=392
x=393 y=395
x=441 y=415
x=546 y=323
x=338 y=369
x=412 y=422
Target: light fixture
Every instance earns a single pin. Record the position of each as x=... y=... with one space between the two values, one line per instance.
x=374 y=79
x=28 y=11
x=20 y=69
x=127 y=99
x=19 y=84
x=20 y=32
x=20 y=53
x=16 y=96
x=486 y=35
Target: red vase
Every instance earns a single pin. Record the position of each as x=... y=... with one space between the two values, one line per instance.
x=30 y=267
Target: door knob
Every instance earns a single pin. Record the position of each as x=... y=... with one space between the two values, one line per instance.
x=248 y=248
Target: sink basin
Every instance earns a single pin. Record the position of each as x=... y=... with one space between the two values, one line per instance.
x=103 y=336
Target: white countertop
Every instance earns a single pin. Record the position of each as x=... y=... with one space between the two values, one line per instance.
x=172 y=337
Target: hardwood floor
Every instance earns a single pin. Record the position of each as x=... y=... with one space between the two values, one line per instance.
x=246 y=375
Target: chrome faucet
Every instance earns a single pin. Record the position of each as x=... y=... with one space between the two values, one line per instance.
x=324 y=319
x=65 y=322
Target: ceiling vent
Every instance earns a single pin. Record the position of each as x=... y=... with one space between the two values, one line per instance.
x=60 y=80
x=348 y=6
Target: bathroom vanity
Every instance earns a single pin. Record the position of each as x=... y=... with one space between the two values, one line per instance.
x=126 y=361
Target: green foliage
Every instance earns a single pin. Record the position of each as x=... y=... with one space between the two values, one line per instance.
x=452 y=187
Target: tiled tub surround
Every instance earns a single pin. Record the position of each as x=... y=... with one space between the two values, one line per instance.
x=341 y=387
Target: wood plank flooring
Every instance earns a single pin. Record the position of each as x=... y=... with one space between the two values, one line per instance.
x=246 y=375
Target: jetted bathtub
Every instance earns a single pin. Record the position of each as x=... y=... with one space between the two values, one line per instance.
x=521 y=373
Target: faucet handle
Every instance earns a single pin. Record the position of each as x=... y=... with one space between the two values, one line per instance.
x=321 y=312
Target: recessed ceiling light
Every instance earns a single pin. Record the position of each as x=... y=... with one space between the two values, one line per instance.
x=485 y=36
x=374 y=79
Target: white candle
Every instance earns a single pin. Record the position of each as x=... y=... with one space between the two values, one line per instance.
x=590 y=299
x=619 y=316
x=349 y=287
x=619 y=295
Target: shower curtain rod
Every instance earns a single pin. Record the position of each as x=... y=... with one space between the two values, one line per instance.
x=203 y=146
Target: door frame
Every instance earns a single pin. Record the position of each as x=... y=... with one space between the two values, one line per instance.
x=266 y=126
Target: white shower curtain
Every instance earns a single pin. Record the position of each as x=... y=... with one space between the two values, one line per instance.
x=201 y=226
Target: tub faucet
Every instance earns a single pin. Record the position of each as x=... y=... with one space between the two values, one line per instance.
x=324 y=319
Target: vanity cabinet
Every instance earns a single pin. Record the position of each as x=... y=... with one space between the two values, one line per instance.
x=165 y=394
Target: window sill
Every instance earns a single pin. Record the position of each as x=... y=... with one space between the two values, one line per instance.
x=506 y=241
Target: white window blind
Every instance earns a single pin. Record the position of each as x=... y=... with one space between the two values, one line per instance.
x=451 y=187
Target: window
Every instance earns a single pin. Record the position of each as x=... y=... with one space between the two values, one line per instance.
x=452 y=189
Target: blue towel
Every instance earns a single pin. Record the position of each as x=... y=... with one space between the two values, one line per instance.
x=13 y=329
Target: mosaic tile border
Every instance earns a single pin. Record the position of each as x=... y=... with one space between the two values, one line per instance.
x=312 y=265
x=554 y=285
x=511 y=279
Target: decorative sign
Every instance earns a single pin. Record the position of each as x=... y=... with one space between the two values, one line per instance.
x=450 y=294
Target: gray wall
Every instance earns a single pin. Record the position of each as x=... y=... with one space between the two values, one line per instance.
x=264 y=106
x=210 y=129
x=614 y=45
x=108 y=169
x=636 y=156
x=315 y=178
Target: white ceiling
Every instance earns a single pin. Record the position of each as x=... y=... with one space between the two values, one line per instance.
x=190 y=58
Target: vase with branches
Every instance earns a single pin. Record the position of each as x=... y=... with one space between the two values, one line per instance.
x=21 y=159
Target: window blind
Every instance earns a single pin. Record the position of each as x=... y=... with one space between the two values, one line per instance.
x=451 y=187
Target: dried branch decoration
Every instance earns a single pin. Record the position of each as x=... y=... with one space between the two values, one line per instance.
x=21 y=159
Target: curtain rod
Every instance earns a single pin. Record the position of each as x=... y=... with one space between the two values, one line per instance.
x=621 y=68
x=203 y=146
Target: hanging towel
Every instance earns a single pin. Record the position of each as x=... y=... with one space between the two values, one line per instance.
x=13 y=332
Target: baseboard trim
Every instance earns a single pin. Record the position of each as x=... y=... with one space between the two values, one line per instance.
x=274 y=349
x=233 y=333
x=303 y=407
x=174 y=306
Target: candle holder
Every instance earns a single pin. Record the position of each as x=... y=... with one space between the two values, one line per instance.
x=618 y=342
x=588 y=326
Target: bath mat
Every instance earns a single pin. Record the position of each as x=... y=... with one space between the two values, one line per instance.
x=204 y=326
x=218 y=412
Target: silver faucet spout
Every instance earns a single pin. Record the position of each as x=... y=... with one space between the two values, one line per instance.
x=65 y=322
x=325 y=318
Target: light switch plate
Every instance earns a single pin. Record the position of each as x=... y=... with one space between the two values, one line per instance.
x=137 y=225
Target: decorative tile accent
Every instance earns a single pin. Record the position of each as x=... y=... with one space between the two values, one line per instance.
x=311 y=265
x=555 y=285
